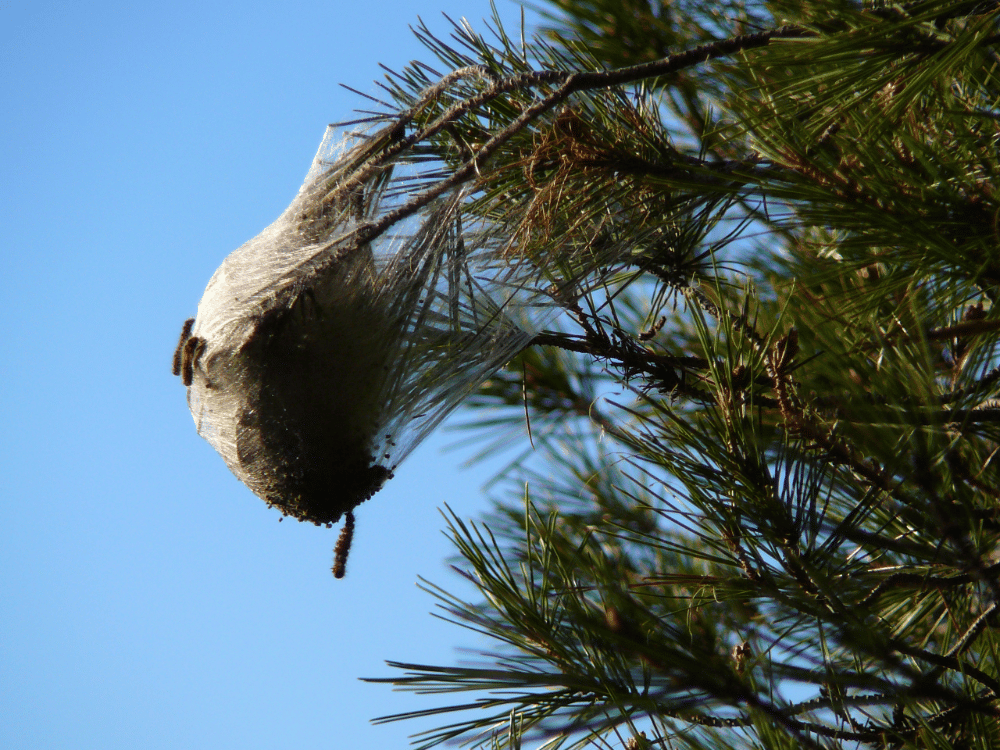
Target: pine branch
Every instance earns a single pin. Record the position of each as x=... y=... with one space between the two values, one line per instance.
x=793 y=277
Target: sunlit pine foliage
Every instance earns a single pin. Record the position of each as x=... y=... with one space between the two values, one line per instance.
x=753 y=494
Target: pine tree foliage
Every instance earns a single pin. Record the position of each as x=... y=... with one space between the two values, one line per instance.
x=757 y=504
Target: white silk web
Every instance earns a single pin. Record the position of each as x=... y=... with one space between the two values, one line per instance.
x=327 y=347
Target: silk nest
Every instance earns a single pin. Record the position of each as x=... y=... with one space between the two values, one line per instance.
x=327 y=347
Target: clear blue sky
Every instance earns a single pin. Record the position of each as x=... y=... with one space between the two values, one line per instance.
x=147 y=599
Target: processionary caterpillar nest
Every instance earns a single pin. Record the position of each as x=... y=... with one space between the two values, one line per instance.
x=327 y=347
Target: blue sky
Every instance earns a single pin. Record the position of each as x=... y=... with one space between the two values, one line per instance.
x=147 y=599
